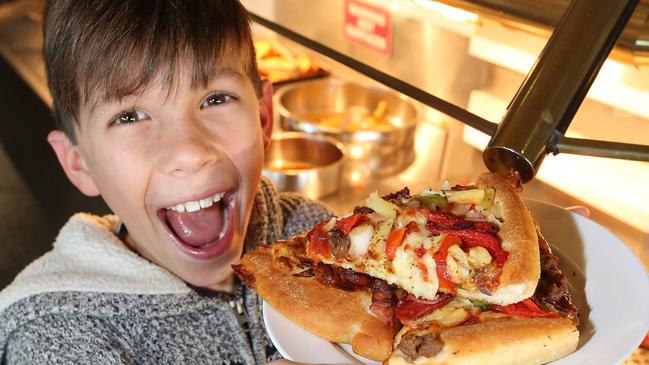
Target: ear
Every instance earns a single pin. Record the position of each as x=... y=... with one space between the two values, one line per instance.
x=266 y=112
x=72 y=162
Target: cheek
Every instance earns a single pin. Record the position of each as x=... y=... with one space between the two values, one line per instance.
x=245 y=146
x=248 y=158
x=121 y=176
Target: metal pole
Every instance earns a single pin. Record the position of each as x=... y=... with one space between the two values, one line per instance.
x=589 y=147
x=548 y=99
x=392 y=82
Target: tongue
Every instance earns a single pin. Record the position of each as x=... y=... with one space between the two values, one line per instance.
x=197 y=228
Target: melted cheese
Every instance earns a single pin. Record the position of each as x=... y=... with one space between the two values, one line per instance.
x=413 y=267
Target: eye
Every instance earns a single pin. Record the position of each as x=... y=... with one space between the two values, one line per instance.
x=128 y=117
x=216 y=99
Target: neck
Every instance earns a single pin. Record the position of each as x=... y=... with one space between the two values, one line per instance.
x=226 y=285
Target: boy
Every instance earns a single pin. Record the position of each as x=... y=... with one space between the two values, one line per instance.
x=163 y=114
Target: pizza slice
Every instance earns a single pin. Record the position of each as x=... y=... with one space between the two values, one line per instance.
x=537 y=330
x=477 y=241
x=386 y=323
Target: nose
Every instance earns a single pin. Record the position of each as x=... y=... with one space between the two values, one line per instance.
x=188 y=148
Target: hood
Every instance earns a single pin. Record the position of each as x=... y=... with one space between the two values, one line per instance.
x=88 y=257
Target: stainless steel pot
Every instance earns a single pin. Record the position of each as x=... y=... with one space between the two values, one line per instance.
x=305 y=163
x=386 y=151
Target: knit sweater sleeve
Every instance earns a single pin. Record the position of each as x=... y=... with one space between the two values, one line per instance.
x=60 y=339
x=301 y=213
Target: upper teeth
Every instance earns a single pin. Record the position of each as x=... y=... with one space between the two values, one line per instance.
x=196 y=205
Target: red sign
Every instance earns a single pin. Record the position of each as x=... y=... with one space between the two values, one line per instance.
x=368 y=25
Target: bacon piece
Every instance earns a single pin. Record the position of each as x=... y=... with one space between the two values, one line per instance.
x=357 y=278
x=410 y=307
x=396 y=197
x=363 y=210
x=383 y=305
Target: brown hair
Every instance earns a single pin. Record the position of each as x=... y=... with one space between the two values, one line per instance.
x=107 y=49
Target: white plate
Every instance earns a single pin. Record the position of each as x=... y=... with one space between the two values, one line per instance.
x=610 y=287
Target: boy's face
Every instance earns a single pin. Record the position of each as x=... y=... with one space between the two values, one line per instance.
x=180 y=166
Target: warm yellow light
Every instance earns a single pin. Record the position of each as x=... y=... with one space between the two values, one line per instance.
x=355 y=177
x=356 y=152
x=448 y=11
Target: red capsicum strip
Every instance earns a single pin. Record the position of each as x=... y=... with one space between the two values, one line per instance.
x=346 y=224
x=525 y=308
x=440 y=261
x=318 y=242
x=443 y=219
x=473 y=238
x=395 y=239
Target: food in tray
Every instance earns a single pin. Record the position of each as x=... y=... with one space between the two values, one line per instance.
x=354 y=118
x=456 y=275
x=278 y=64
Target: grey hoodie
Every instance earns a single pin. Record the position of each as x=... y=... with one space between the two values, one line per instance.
x=91 y=300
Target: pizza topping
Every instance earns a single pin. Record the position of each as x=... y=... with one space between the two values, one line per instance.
x=413 y=345
x=318 y=244
x=399 y=238
x=552 y=289
x=471 y=320
x=410 y=307
x=377 y=244
x=479 y=304
x=479 y=257
x=347 y=223
x=398 y=197
x=485 y=205
x=383 y=304
x=363 y=210
x=341 y=278
x=486 y=279
x=338 y=242
x=468 y=196
x=474 y=238
x=360 y=237
x=457 y=264
x=432 y=200
x=440 y=259
x=525 y=308
x=395 y=239
x=447 y=316
x=382 y=206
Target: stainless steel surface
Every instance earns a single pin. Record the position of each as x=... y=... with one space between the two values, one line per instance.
x=383 y=152
x=305 y=163
x=555 y=87
x=415 y=81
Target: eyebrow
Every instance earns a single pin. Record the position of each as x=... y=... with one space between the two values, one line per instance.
x=221 y=72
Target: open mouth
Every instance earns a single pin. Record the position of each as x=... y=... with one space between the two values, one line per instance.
x=201 y=228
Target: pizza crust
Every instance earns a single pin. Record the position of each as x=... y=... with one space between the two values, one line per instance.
x=507 y=341
x=331 y=313
x=522 y=270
